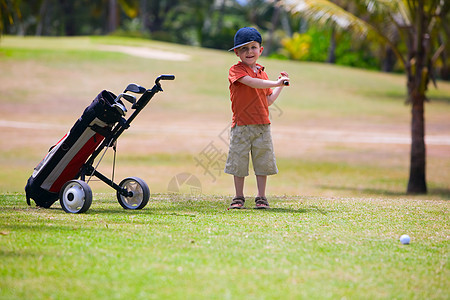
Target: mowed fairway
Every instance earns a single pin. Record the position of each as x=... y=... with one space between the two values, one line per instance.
x=341 y=137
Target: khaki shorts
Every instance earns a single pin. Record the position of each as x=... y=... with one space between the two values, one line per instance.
x=256 y=139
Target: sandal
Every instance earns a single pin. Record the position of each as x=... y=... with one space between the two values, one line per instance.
x=238 y=203
x=261 y=203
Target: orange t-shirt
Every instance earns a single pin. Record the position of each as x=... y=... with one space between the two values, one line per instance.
x=249 y=105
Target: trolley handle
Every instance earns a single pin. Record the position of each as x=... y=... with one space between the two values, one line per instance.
x=164 y=77
x=145 y=98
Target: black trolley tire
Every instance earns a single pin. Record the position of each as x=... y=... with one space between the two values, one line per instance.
x=140 y=190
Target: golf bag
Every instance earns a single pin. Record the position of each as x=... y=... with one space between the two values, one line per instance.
x=64 y=160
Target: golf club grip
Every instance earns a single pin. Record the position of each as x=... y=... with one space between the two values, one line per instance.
x=286 y=83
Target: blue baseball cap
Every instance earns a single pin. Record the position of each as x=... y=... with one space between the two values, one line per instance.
x=245 y=36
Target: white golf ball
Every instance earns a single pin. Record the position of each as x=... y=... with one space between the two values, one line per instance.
x=405 y=239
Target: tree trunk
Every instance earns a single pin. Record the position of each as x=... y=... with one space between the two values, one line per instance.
x=332 y=49
x=417 y=181
x=389 y=60
x=273 y=26
x=41 y=18
x=445 y=68
x=68 y=19
x=221 y=16
x=112 y=15
x=417 y=85
x=143 y=15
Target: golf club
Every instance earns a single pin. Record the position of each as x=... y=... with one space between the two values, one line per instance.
x=135 y=88
x=128 y=97
x=120 y=108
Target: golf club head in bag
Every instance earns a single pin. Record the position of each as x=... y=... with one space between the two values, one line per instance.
x=135 y=88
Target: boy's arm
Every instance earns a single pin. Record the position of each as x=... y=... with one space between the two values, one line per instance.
x=272 y=97
x=258 y=83
x=276 y=91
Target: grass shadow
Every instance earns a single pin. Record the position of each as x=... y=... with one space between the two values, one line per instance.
x=312 y=209
x=440 y=192
x=183 y=209
x=398 y=95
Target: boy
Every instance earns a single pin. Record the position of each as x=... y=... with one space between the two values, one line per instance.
x=251 y=94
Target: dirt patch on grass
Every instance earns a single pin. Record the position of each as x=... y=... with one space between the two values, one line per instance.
x=147 y=53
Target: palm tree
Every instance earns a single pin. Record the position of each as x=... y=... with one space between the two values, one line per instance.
x=418 y=24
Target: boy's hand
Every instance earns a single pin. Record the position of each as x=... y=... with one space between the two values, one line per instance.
x=283 y=80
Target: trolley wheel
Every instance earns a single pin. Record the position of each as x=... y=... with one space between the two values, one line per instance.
x=139 y=190
x=75 y=197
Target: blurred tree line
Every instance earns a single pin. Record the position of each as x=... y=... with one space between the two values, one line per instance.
x=208 y=23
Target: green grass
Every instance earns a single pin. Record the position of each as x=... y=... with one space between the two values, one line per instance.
x=191 y=247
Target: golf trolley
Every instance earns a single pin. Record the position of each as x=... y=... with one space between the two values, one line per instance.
x=63 y=172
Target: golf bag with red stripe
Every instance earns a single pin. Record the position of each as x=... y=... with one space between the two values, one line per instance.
x=64 y=160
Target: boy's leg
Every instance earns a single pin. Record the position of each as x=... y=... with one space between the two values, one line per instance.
x=261 y=183
x=239 y=186
x=237 y=163
x=263 y=163
x=261 y=200
x=239 y=199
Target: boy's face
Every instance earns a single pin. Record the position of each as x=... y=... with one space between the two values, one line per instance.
x=249 y=53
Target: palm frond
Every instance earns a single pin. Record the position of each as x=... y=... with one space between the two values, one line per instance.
x=395 y=9
x=329 y=13
x=326 y=12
